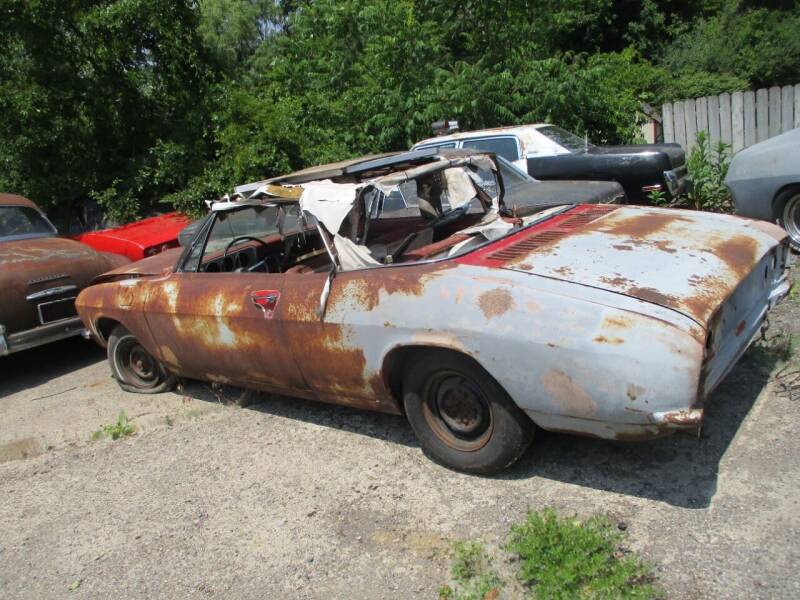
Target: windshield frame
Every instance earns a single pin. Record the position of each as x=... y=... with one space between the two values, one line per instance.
x=29 y=236
x=575 y=143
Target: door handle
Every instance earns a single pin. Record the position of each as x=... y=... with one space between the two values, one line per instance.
x=266 y=300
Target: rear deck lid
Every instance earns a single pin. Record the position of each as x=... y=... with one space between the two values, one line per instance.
x=684 y=260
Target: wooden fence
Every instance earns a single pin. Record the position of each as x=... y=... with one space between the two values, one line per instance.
x=740 y=119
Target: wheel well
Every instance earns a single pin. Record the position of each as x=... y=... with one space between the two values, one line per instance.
x=105 y=326
x=787 y=188
x=398 y=359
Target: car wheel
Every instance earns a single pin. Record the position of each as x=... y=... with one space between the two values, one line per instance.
x=462 y=417
x=134 y=368
x=788 y=204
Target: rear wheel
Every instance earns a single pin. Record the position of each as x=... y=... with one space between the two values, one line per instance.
x=462 y=417
x=134 y=368
x=788 y=214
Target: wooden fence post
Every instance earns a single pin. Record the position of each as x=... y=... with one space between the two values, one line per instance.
x=749 y=118
x=713 y=119
x=737 y=120
x=680 y=124
x=725 y=118
x=762 y=115
x=666 y=122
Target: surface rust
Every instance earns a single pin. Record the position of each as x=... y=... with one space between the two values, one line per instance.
x=567 y=394
x=641 y=226
x=652 y=295
x=496 y=302
x=739 y=254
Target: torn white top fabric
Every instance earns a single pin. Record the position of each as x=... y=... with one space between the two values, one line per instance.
x=460 y=188
x=351 y=255
x=329 y=202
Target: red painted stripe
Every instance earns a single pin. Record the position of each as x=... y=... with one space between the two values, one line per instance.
x=526 y=241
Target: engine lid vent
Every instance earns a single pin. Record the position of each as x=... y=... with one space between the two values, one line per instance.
x=547 y=232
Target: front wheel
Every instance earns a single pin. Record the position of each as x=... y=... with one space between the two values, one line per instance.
x=134 y=368
x=788 y=209
x=462 y=417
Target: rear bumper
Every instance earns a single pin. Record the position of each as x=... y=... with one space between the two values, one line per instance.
x=659 y=424
x=674 y=182
x=44 y=334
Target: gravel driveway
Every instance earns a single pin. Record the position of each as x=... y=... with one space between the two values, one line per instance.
x=293 y=499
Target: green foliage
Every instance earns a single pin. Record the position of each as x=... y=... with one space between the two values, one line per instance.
x=555 y=559
x=116 y=430
x=101 y=97
x=142 y=104
x=564 y=558
x=738 y=47
x=707 y=169
x=472 y=576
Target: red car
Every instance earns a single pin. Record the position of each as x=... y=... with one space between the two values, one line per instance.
x=138 y=240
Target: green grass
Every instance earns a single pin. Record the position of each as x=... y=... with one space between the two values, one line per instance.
x=473 y=578
x=116 y=430
x=565 y=558
x=553 y=558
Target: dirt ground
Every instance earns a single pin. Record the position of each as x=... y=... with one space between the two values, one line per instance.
x=293 y=499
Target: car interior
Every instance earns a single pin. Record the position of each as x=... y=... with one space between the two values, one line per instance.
x=424 y=217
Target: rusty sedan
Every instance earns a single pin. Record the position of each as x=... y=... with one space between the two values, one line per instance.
x=40 y=275
x=475 y=323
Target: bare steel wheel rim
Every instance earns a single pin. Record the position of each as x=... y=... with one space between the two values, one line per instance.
x=457 y=411
x=136 y=365
x=791 y=218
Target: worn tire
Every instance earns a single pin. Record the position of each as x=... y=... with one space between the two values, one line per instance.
x=461 y=416
x=787 y=214
x=134 y=368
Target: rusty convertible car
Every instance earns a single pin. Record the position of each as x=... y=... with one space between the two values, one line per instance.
x=475 y=323
x=40 y=275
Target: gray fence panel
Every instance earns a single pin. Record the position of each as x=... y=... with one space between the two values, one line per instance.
x=737 y=120
x=667 y=122
x=701 y=114
x=797 y=105
x=749 y=118
x=762 y=115
x=691 y=124
x=680 y=124
x=713 y=119
x=725 y=118
x=787 y=108
x=740 y=119
x=774 y=111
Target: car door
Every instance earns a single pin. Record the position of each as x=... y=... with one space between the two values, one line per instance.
x=223 y=326
x=329 y=346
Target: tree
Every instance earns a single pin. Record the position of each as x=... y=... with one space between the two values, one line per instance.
x=101 y=97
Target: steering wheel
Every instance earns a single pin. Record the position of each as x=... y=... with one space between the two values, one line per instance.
x=449 y=217
x=244 y=237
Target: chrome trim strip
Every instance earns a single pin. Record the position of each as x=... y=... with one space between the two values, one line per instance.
x=62 y=289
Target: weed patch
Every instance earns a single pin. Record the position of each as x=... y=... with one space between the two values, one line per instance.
x=473 y=577
x=121 y=428
x=555 y=559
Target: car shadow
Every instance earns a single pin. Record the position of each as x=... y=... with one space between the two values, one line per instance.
x=680 y=470
x=30 y=368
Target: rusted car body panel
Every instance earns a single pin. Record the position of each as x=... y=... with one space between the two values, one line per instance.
x=40 y=276
x=602 y=320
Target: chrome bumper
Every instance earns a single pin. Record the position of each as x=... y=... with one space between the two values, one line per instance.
x=44 y=334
